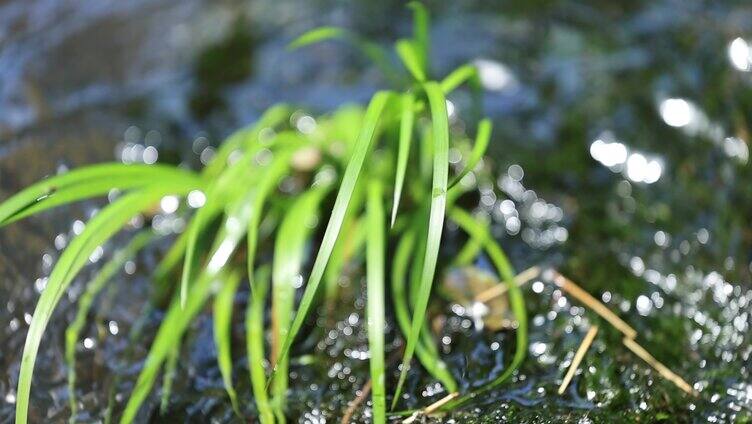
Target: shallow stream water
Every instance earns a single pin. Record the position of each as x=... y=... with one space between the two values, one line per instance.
x=631 y=119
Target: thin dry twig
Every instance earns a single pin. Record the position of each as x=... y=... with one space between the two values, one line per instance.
x=599 y=308
x=499 y=289
x=662 y=369
x=430 y=409
x=578 y=356
x=577 y=292
x=364 y=391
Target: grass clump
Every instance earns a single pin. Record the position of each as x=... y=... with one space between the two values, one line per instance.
x=391 y=156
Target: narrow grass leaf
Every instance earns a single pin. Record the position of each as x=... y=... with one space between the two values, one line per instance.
x=479 y=149
x=132 y=342
x=344 y=248
x=73 y=332
x=198 y=224
x=420 y=227
x=254 y=325
x=172 y=258
x=223 y=305
x=465 y=73
x=225 y=188
x=428 y=358
x=481 y=233
x=350 y=178
x=425 y=160
x=211 y=210
x=349 y=249
x=372 y=51
x=405 y=139
x=375 y=298
x=267 y=182
x=219 y=194
x=410 y=58
x=318 y=35
x=334 y=268
x=440 y=123
x=168 y=378
x=289 y=254
x=468 y=253
x=100 y=228
x=421 y=27
x=231 y=232
x=246 y=138
x=170 y=332
x=87 y=182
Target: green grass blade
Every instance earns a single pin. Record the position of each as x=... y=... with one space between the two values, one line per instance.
x=267 y=182
x=479 y=149
x=231 y=232
x=400 y=262
x=421 y=35
x=163 y=276
x=246 y=138
x=168 y=379
x=172 y=258
x=468 y=253
x=87 y=182
x=219 y=194
x=405 y=138
x=134 y=335
x=466 y=73
x=96 y=285
x=289 y=256
x=226 y=189
x=178 y=318
x=318 y=35
x=177 y=251
x=421 y=230
x=349 y=180
x=375 y=298
x=481 y=233
x=425 y=163
x=77 y=192
x=344 y=248
x=223 y=303
x=378 y=55
x=170 y=332
x=334 y=268
x=420 y=227
x=410 y=58
x=198 y=224
x=427 y=357
x=254 y=325
x=459 y=76
x=440 y=122
x=100 y=228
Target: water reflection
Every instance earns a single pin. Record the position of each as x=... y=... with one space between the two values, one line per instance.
x=494 y=76
x=740 y=54
x=678 y=112
x=616 y=156
x=689 y=118
x=523 y=212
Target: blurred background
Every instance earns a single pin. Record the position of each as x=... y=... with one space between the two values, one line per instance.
x=620 y=141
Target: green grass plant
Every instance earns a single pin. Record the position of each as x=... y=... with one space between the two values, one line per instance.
x=377 y=177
